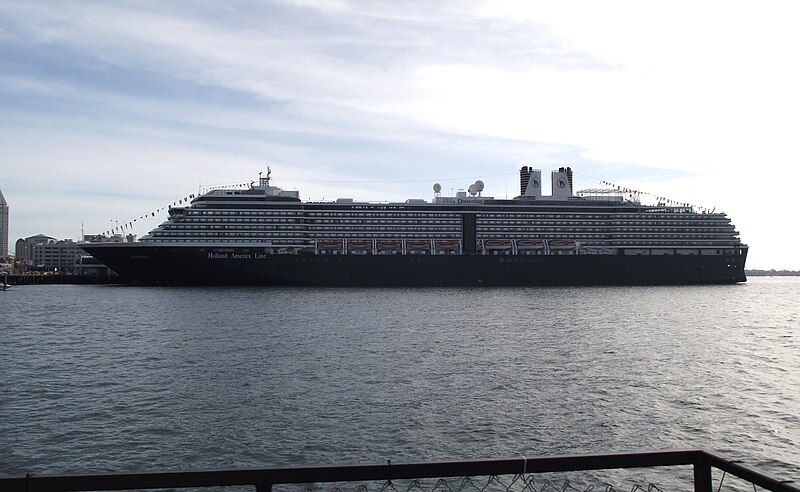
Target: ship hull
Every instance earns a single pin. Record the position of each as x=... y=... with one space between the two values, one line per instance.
x=143 y=264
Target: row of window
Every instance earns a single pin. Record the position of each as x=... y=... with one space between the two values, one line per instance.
x=320 y=235
x=325 y=229
x=613 y=230
x=316 y=221
x=500 y=218
x=407 y=218
x=403 y=213
x=597 y=240
x=605 y=223
x=228 y=213
x=256 y=224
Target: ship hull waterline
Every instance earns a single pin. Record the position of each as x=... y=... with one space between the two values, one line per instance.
x=143 y=264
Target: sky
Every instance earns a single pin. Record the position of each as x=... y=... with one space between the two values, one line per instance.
x=110 y=111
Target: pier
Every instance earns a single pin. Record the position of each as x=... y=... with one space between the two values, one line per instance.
x=52 y=279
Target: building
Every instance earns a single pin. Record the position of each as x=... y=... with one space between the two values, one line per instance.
x=3 y=226
x=58 y=256
x=102 y=238
x=48 y=254
x=23 y=248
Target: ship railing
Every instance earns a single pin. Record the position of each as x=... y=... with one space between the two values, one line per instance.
x=709 y=472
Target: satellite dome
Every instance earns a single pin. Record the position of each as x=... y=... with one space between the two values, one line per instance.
x=479 y=185
x=437 y=187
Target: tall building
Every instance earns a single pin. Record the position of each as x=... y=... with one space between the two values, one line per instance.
x=3 y=226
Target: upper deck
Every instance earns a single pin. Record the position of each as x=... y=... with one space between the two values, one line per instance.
x=277 y=220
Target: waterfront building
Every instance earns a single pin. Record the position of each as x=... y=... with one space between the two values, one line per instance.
x=102 y=238
x=3 y=226
x=45 y=253
x=56 y=256
x=23 y=248
x=67 y=256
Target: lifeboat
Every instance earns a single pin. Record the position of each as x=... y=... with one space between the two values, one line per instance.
x=388 y=245
x=329 y=244
x=526 y=244
x=359 y=244
x=561 y=244
x=446 y=245
x=497 y=244
x=418 y=245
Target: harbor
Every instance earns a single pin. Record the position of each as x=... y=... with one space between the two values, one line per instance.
x=100 y=378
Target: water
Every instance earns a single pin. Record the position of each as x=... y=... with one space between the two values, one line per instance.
x=109 y=378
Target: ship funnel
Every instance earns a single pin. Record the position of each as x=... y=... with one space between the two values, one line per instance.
x=530 y=182
x=562 y=183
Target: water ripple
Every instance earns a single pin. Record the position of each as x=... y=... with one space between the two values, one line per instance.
x=104 y=378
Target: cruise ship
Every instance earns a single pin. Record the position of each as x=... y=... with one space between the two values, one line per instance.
x=264 y=235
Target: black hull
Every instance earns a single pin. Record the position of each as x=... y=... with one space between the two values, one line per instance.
x=143 y=264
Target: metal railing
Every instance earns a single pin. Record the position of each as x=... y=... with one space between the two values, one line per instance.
x=264 y=478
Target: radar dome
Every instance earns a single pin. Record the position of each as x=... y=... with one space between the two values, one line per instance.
x=479 y=185
x=437 y=188
x=471 y=189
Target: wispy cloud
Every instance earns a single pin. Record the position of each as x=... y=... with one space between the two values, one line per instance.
x=147 y=97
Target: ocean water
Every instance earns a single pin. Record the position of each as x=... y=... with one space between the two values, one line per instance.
x=113 y=378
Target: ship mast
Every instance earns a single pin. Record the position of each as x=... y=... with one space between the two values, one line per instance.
x=264 y=181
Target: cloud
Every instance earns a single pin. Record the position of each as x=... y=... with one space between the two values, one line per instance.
x=692 y=101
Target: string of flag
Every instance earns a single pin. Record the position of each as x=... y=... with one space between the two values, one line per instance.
x=127 y=226
x=636 y=194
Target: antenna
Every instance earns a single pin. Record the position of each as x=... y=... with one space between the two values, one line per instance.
x=262 y=181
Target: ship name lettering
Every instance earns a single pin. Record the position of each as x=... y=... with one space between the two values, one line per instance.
x=218 y=256
x=240 y=256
